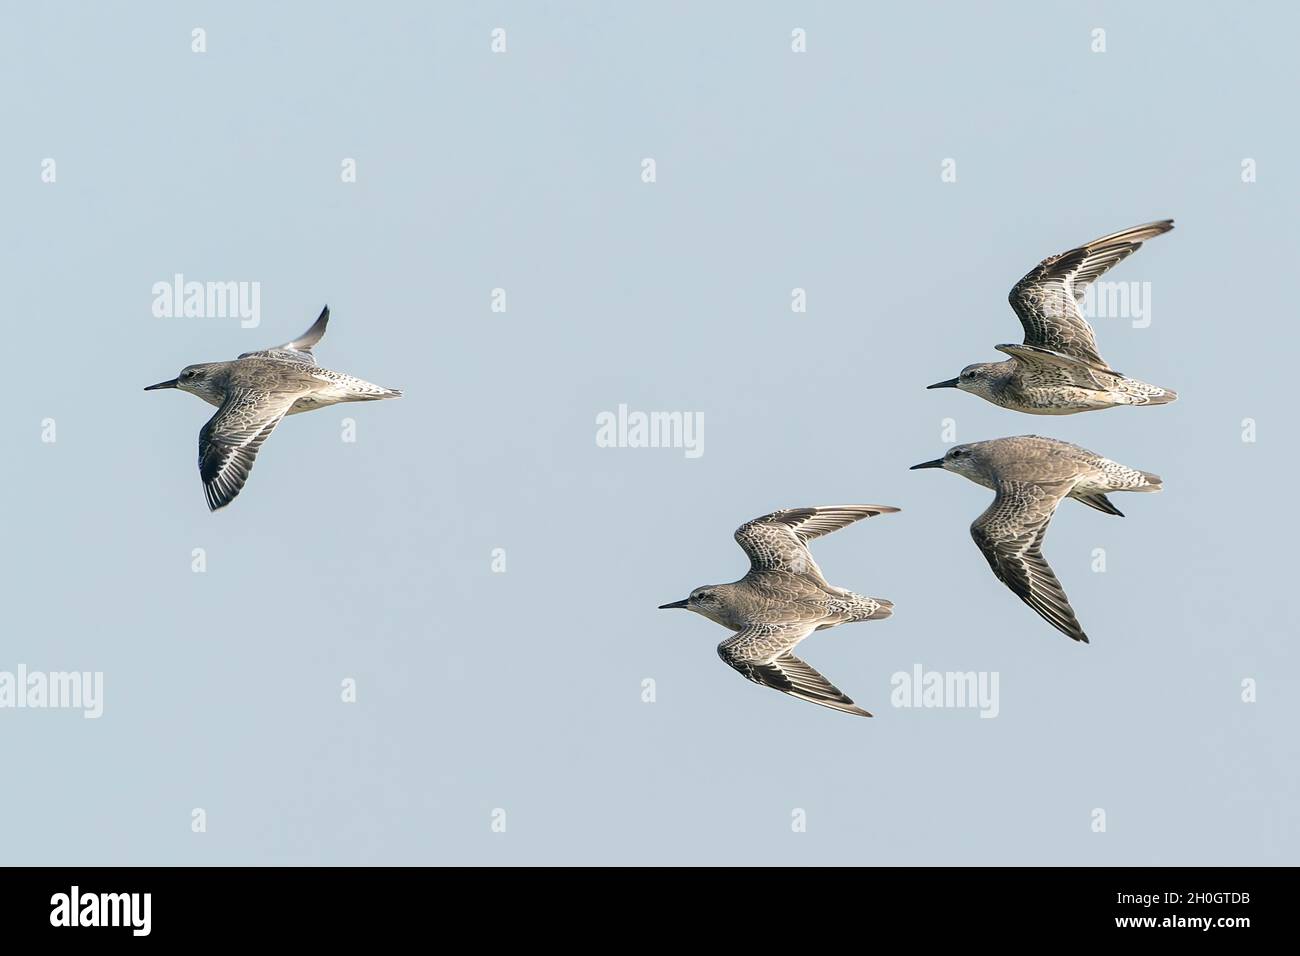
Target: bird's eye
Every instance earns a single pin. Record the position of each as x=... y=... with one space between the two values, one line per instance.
x=188 y=373
x=957 y=452
x=968 y=375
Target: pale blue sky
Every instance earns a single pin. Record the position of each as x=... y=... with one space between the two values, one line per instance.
x=522 y=690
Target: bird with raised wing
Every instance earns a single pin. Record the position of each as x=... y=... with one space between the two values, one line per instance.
x=783 y=599
x=252 y=394
x=1030 y=476
x=1058 y=370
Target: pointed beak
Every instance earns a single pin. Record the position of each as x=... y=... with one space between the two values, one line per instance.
x=171 y=383
x=937 y=463
x=682 y=603
x=950 y=383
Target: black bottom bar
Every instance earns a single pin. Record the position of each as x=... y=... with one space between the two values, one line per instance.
x=368 y=905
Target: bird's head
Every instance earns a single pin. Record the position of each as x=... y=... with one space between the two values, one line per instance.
x=978 y=379
x=200 y=380
x=707 y=600
x=968 y=460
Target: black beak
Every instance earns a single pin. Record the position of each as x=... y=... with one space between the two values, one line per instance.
x=168 y=384
x=682 y=603
x=951 y=383
x=937 y=463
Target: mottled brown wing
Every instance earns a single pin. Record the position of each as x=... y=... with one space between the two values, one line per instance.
x=1010 y=534
x=761 y=653
x=230 y=440
x=1048 y=298
x=300 y=349
x=779 y=541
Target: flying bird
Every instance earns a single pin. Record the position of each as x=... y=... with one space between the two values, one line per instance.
x=252 y=394
x=1058 y=370
x=783 y=599
x=1029 y=476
